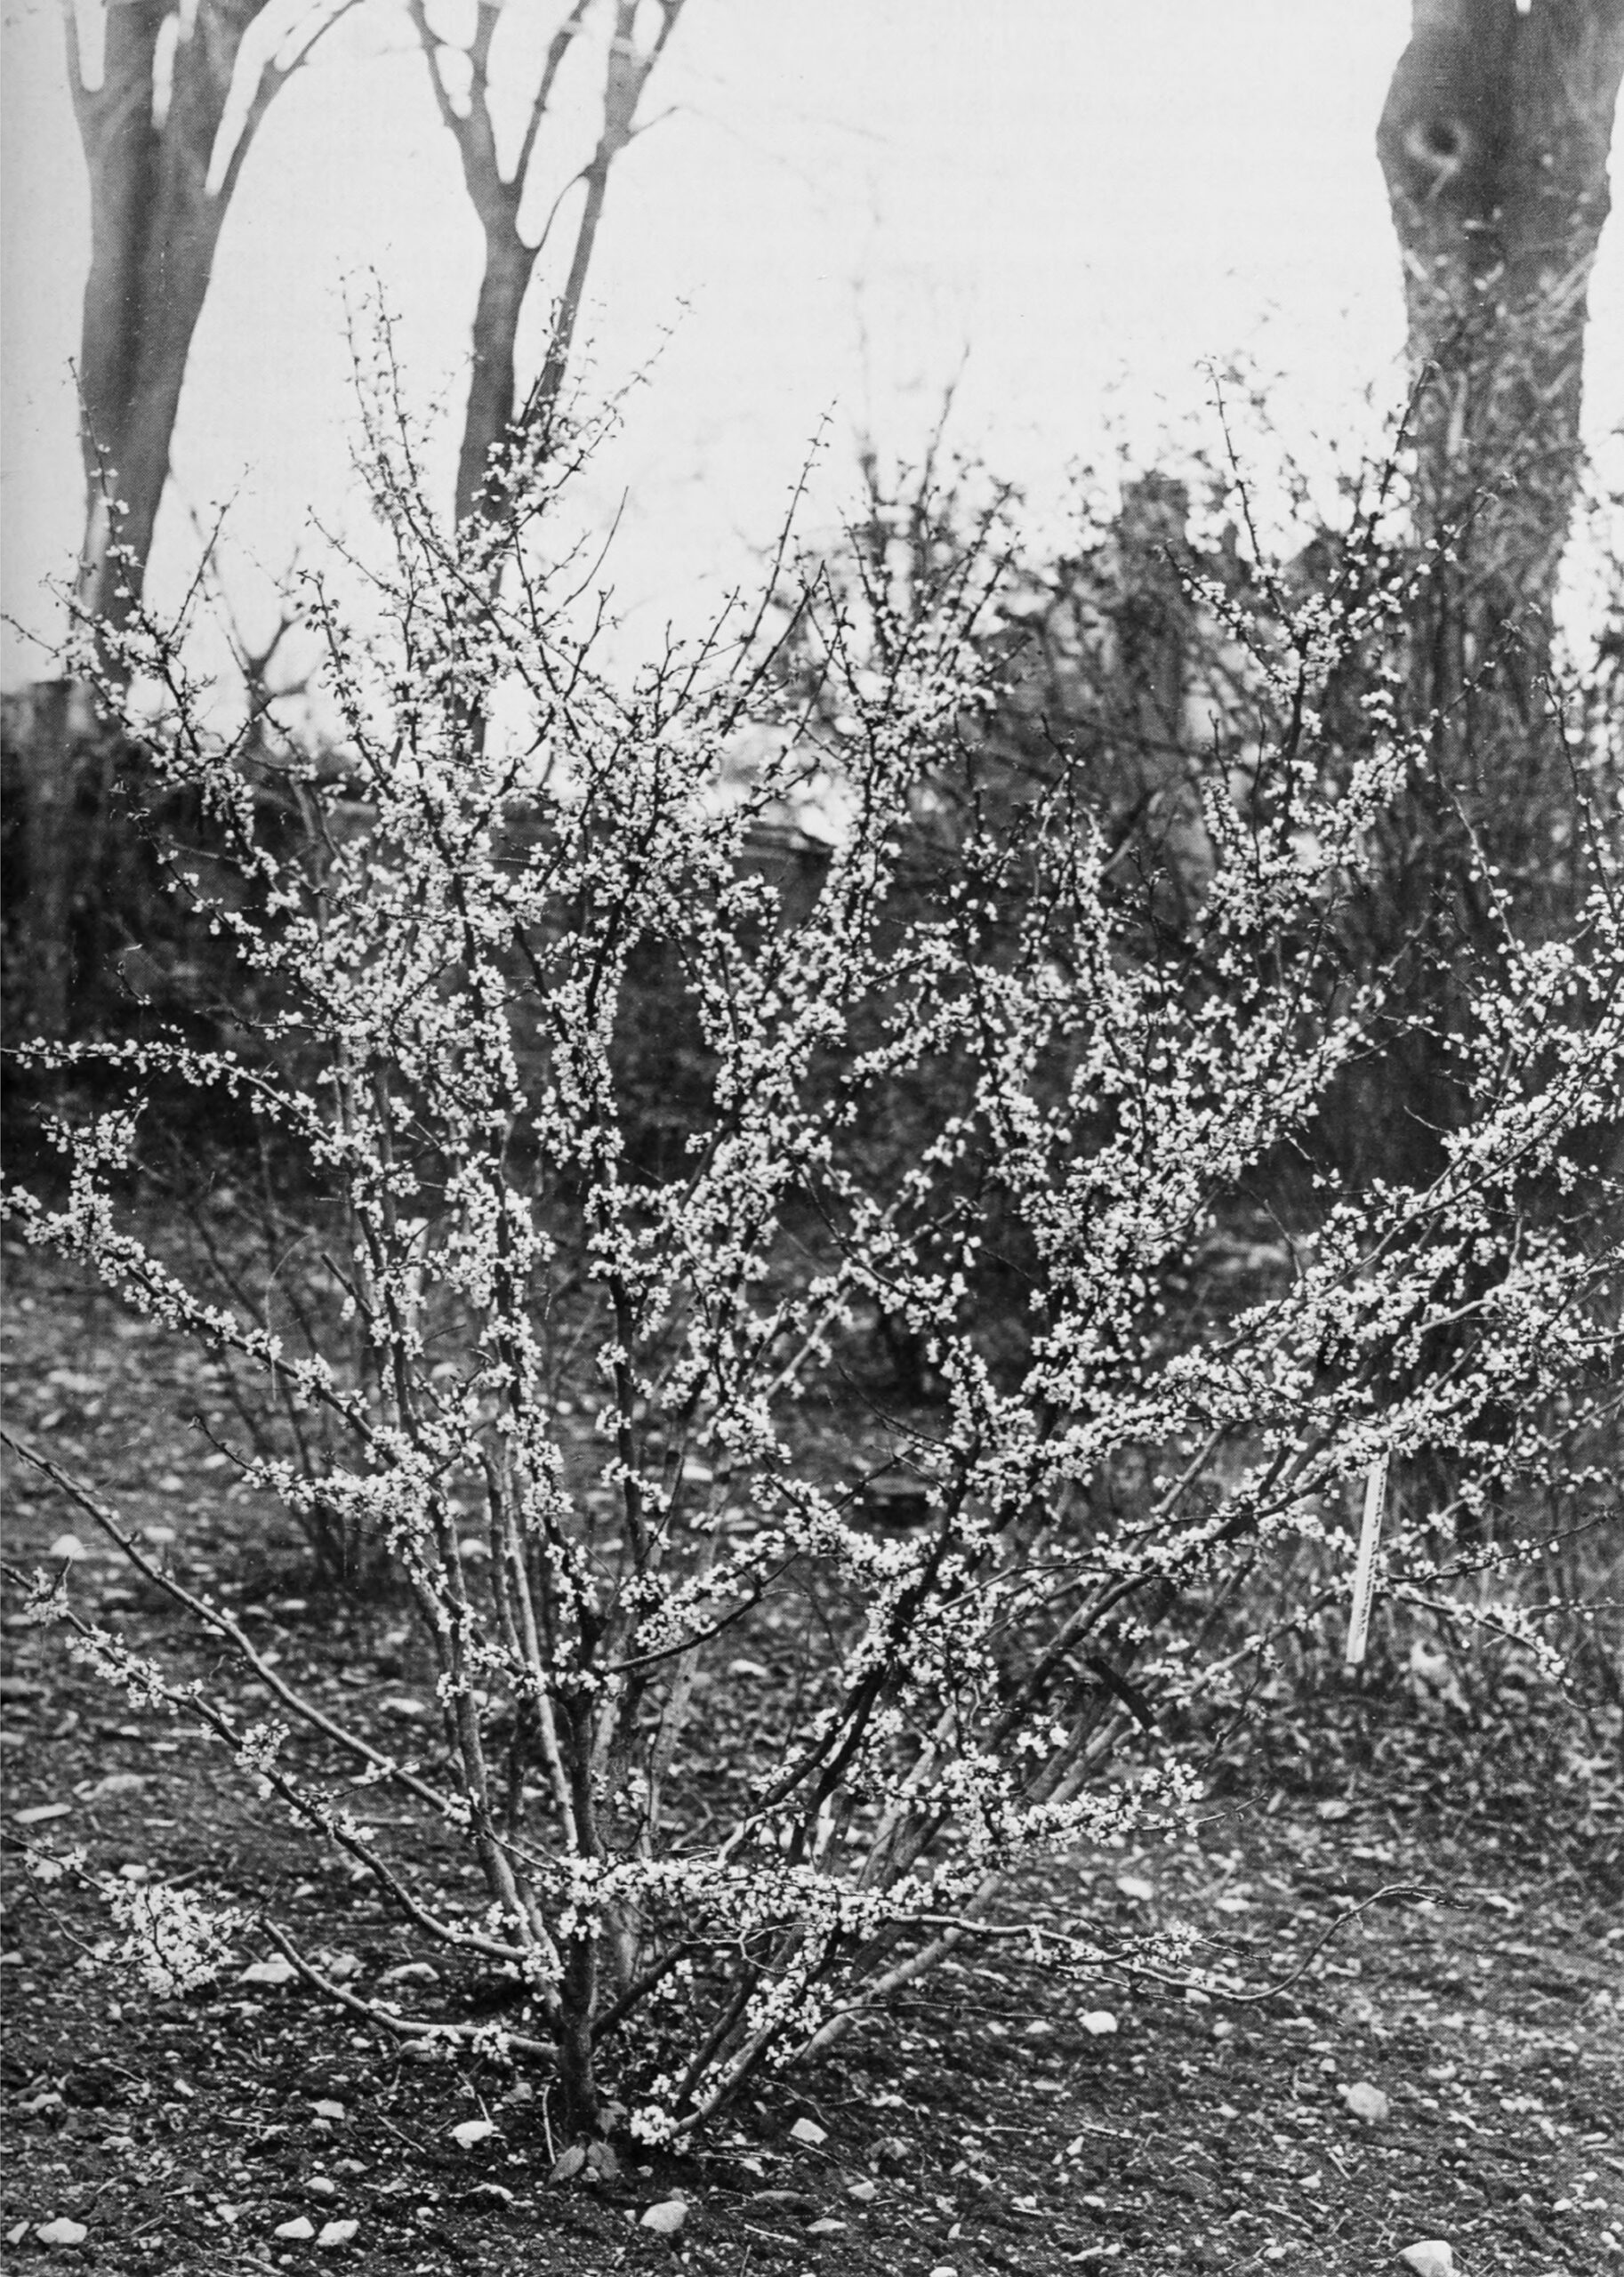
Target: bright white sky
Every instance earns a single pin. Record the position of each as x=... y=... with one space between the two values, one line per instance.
x=1078 y=200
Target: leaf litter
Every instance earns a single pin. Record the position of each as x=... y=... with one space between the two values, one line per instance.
x=1434 y=2092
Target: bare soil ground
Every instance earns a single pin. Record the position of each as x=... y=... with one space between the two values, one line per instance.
x=992 y=2131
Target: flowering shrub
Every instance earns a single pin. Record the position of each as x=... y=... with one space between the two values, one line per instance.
x=756 y=1696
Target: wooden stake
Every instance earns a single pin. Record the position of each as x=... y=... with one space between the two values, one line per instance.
x=1364 y=1571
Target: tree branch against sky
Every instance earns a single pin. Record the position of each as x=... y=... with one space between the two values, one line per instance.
x=464 y=98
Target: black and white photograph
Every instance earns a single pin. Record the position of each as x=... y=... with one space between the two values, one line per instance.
x=813 y=1209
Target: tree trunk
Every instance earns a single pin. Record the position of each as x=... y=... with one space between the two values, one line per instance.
x=159 y=189
x=492 y=423
x=493 y=389
x=155 y=225
x=1494 y=143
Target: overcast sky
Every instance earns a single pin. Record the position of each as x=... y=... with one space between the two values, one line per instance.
x=1075 y=202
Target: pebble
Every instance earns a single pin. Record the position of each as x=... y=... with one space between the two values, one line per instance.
x=279 y=1971
x=666 y=2219
x=116 y=1782
x=1431 y=2258
x=1365 y=2102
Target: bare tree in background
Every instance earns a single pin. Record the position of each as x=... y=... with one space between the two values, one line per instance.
x=494 y=417
x=1494 y=143
x=166 y=112
x=168 y=100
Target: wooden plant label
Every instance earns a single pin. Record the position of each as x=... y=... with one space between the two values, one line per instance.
x=1365 y=1570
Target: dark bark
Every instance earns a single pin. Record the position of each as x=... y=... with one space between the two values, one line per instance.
x=1494 y=144
x=493 y=389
